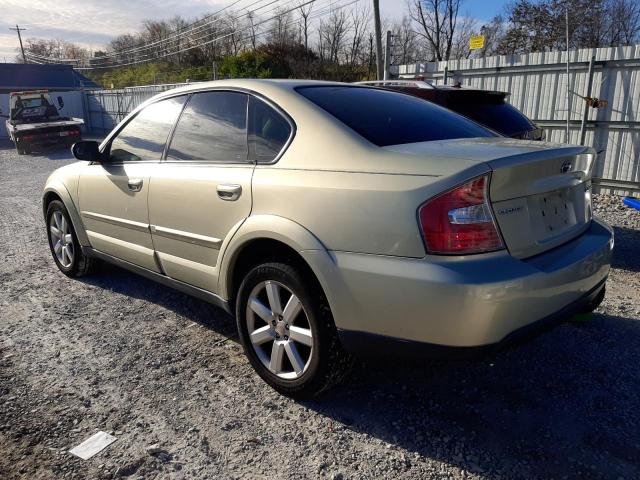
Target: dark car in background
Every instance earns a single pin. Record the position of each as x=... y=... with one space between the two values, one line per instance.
x=487 y=107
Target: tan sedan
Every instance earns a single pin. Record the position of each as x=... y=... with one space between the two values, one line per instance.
x=333 y=218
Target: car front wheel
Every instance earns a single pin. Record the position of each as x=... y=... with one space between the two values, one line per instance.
x=287 y=331
x=63 y=242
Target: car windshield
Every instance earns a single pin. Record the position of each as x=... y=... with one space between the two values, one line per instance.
x=33 y=102
x=390 y=118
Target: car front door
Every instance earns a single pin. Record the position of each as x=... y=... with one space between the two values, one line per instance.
x=201 y=192
x=113 y=194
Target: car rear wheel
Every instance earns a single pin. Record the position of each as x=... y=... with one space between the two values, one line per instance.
x=287 y=331
x=63 y=242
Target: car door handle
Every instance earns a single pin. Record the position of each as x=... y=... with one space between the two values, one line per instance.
x=135 y=184
x=229 y=192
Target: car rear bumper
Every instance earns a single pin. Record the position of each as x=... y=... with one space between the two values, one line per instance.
x=464 y=302
x=50 y=138
x=369 y=344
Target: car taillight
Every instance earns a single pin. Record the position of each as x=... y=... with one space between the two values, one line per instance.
x=460 y=221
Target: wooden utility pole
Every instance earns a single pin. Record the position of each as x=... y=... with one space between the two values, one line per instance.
x=18 y=29
x=378 y=31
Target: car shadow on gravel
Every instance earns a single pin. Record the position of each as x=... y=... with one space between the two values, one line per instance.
x=126 y=283
x=626 y=254
x=564 y=404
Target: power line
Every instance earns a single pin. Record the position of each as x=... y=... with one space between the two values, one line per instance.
x=166 y=48
x=208 y=42
x=178 y=35
x=192 y=27
x=166 y=52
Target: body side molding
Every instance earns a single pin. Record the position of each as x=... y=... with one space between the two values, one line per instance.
x=120 y=222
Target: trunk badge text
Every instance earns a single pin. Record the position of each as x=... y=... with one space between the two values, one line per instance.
x=510 y=210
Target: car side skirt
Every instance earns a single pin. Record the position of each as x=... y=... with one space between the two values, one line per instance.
x=160 y=278
x=369 y=344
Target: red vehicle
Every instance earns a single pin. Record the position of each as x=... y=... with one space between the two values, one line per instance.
x=487 y=107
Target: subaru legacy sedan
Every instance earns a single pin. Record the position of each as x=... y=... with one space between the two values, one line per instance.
x=334 y=219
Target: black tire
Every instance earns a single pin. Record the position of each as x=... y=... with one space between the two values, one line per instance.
x=20 y=149
x=81 y=264
x=328 y=363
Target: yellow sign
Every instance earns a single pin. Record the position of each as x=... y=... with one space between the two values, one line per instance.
x=476 y=42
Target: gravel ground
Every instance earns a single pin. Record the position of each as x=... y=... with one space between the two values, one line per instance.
x=118 y=353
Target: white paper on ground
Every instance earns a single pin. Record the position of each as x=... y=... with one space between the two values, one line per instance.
x=93 y=445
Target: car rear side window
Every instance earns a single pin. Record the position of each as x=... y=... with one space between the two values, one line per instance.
x=213 y=126
x=144 y=137
x=390 y=118
x=269 y=131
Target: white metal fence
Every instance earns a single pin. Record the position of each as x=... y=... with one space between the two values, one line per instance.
x=104 y=109
x=538 y=86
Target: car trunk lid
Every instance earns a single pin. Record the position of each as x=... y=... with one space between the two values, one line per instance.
x=539 y=192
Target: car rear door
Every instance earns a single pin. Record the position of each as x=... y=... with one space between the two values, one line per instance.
x=113 y=195
x=201 y=192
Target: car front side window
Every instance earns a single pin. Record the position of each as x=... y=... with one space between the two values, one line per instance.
x=144 y=136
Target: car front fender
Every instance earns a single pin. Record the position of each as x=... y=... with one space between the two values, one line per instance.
x=58 y=188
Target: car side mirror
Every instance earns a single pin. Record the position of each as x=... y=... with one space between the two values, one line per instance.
x=60 y=103
x=87 y=150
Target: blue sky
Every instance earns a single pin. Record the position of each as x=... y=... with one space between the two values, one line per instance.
x=92 y=23
x=484 y=9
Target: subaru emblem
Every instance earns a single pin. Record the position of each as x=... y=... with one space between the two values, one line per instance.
x=566 y=166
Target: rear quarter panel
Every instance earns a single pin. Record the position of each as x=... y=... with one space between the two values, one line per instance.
x=361 y=212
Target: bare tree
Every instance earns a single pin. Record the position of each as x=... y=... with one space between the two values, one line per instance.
x=55 y=49
x=333 y=33
x=405 y=42
x=252 y=29
x=305 y=12
x=281 y=32
x=467 y=26
x=493 y=33
x=360 y=19
x=436 y=21
x=624 y=21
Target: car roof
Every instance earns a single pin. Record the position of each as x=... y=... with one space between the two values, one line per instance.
x=255 y=84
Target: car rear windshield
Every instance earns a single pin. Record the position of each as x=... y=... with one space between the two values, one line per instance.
x=389 y=118
x=502 y=117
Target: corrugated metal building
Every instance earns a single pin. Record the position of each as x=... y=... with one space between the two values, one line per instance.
x=28 y=76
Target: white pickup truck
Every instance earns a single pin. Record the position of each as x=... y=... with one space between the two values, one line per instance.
x=34 y=121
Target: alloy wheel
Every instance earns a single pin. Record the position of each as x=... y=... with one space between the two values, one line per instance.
x=279 y=330
x=61 y=239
